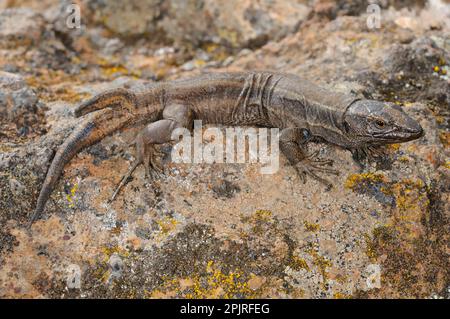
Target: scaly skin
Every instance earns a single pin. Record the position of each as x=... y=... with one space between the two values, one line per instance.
x=301 y=110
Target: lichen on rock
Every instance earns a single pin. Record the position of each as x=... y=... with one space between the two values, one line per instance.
x=205 y=231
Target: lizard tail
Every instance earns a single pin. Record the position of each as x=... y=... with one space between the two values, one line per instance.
x=114 y=98
x=91 y=131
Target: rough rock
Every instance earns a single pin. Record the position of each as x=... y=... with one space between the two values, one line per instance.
x=236 y=23
x=19 y=103
x=422 y=63
x=20 y=26
x=226 y=230
x=127 y=18
x=332 y=9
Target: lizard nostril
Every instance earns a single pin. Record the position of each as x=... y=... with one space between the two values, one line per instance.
x=421 y=131
x=417 y=131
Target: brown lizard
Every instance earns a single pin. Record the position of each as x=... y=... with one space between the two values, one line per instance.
x=302 y=111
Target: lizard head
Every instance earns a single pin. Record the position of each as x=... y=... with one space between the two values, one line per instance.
x=375 y=122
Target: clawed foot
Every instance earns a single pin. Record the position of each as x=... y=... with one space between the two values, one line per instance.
x=310 y=166
x=152 y=163
x=369 y=153
x=150 y=157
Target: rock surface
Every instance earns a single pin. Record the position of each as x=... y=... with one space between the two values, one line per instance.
x=19 y=104
x=204 y=231
x=236 y=23
x=20 y=26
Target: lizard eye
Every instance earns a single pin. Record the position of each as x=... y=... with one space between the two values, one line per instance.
x=380 y=123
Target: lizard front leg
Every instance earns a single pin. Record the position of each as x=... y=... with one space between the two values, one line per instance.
x=369 y=153
x=292 y=144
x=159 y=132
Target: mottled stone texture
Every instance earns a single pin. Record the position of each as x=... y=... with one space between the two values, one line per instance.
x=235 y=23
x=205 y=231
x=20 y=26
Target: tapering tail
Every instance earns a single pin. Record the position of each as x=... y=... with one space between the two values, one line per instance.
x=91 y=131
x=114 y=98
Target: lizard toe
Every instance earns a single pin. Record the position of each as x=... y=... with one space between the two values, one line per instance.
x=308 y=168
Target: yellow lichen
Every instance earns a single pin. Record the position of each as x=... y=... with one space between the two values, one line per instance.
x=259 y=220
x=110 y=68
x=411 y=206
x=263 y=215
x=380 y=235
x=199 y=63
x=370 y=248
x=297 y=293
x=404 y=159
x=217 y=52
x=312 y=227
x=445 y=138
x=411 y=200
x=356 y=180
x=211 y=283
x=298 y=263
x=447 y=164
x=440 y=119
x=70 y=196
x=103 y=272
x=210 y=47
x=109 y=251
x=167 y=224
x=71 y=96
x=393 y=147
x=340 y=295
x=53 y=85
x=321 y=262
x=230 y=35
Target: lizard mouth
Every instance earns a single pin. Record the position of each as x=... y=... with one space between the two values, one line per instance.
x=398 y=135
x=412 y=134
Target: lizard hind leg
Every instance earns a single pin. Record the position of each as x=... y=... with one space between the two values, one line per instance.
x=143 y=157
x=159 y=132
x=124 y=180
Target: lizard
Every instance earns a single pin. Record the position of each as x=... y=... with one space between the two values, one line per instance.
x=302 y=111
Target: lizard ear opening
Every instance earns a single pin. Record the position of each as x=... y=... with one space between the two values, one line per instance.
x=346 y=127
x=350 y=107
